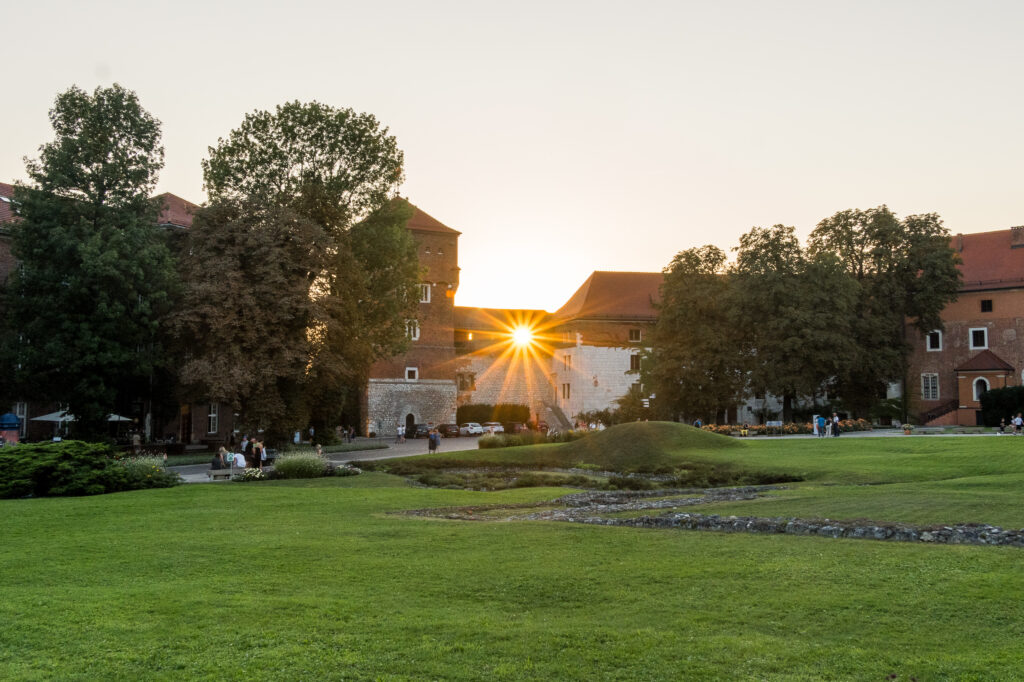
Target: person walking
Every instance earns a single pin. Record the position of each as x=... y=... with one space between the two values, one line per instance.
x=835 y=425
x=434 y=439
x=821 y=426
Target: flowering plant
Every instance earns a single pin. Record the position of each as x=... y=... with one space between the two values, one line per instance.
x=252 y=474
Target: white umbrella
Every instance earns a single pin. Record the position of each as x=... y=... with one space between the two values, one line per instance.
x=61 y=416
x=64 y=416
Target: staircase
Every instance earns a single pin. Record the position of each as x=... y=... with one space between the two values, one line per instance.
x=936 y=412
x=557 y=419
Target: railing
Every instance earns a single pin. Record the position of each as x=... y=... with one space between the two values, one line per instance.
x=936 y=412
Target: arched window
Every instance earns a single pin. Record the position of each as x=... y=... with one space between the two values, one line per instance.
x=980 y=386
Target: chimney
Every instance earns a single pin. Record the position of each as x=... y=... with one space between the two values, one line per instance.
x=1017 y=237
x=960 y=242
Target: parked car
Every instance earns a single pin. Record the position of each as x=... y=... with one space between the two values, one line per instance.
x=493 y=427
x=471 y=429
x=515 y=427
x=449 y=430
x=421 y=431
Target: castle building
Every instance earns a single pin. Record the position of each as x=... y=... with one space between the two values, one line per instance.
x=582 y=358
x=980 y=345
x=419 y=385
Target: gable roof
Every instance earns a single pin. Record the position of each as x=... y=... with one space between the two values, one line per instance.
x=424 y=222
x=175 y=211
x=991 y=260
x=984 y=361
x=617 y=295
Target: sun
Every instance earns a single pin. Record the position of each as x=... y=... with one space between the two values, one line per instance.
x=522 y=336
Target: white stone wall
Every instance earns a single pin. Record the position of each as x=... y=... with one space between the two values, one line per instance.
x=522 y=380
x=597 y=376
x=390 y=400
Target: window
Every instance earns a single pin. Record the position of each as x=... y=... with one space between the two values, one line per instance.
x=634 y=336
x=467 y=382
x=428 y=250
x=424 y=293
x=566 y=391
x=934 y=340
x=979 y=338
x=213 y=419
x=412 y=330
x=986 y=305
x=980 y=386
x=412 y=373
x=634 y=362
x=929 y=386
x=567 y=362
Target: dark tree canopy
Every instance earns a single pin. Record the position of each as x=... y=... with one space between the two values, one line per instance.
x=334 y=166
x=308 y=245
x=694 y=366
x=84 y=305
x=792 y=313
x=907 y=272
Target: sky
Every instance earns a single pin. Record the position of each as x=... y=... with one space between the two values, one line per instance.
x=562 y=138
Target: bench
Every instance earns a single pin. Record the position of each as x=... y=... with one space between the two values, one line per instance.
x=925 y=430
x=219 y=474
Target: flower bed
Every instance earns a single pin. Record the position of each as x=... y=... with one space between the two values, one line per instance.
x=786 y=429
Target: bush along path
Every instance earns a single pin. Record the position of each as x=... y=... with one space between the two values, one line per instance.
x=593 y=508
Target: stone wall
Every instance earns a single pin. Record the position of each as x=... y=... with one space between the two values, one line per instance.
x=596 y=376
x=494 y=378
x=388 y=401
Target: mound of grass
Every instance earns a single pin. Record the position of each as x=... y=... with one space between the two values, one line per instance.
x=676 y=452
x=643 y=447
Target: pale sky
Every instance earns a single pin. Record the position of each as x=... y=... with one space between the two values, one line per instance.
x=566 y=137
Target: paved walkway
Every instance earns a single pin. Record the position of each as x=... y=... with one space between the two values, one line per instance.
x=196 y=473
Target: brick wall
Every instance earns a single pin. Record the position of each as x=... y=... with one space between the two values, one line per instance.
x=1004 y=331
x=6 y=257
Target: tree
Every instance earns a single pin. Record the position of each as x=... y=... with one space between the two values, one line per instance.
x=304 y=215
x=694 y=366
x=793 y=315
x=907 y=273
x=94 y=274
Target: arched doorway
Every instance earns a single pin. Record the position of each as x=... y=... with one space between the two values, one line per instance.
x=980 y=386
x=410 y=425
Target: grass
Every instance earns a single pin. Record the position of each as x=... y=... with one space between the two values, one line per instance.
x=314 y=579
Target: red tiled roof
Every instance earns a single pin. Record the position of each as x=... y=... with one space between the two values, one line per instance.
x=6 y=211
x=984 y=361
x=175 y=211
x=615 y=295
x=989 y=260
x=426 y=223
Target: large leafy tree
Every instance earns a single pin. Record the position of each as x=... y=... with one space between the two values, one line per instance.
x=793 y=315
x=694 y=367
x=83 y=307
x=907 y=273
x=303 y=218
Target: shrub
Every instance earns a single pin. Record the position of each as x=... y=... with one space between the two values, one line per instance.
x=301 y=466
x=252 y=474
x=347 y=470
x=512 y=440
x=75 y=468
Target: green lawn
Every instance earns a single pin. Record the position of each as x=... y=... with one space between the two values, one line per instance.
x=315 y=580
